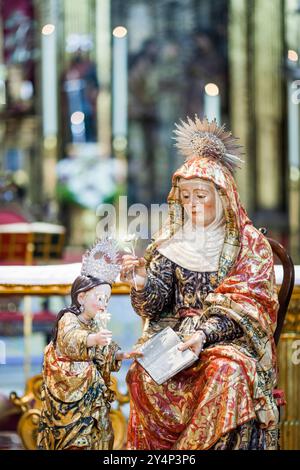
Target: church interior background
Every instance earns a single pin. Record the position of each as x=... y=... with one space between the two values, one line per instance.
x=89 y=93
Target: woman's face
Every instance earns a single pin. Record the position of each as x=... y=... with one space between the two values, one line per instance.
x=95 y=300
x=199 y=200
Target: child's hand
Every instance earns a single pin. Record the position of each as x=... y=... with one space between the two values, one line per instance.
x=103 y=338
x=128 y=355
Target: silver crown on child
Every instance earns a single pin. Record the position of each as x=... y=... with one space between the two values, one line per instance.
x=101 y=261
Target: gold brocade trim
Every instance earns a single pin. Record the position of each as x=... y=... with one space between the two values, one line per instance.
x=120 y=288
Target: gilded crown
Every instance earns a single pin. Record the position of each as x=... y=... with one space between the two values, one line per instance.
x=101 y=261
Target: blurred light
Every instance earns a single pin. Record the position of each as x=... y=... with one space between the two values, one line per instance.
x=120 y=32
x=75 y=42
x=50 y=142
x=120 y=143
x=211 y=89
x=77 y=118
x=292 y=55
x=2 y=92
x=294 y=174
x=26 y=90
x=48 y=29
x=20 y=178
x=78 y=129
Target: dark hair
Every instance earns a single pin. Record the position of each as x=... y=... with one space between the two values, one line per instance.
x=81 y=284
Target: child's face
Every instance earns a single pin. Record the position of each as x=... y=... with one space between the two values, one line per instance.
x=95 y=300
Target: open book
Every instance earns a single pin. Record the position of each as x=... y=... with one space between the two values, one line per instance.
x=162 y=359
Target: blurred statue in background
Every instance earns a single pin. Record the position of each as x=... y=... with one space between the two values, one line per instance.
x=81 y=88
x=209 y=275
x=206 y=64
x=143 y=88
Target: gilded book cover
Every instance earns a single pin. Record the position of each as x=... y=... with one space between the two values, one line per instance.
x=162 y=358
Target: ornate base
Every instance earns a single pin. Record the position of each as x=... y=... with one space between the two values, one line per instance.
x=30 y=406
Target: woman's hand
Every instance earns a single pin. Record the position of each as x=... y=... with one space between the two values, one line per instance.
x=133 y=266
x=195 y=343
x=103 y=338
x=128 y=355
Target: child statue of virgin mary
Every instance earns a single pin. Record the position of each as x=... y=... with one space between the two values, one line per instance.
x=209 y=275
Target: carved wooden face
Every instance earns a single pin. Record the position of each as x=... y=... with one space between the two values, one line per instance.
x=95 y=300
x=198 y=198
